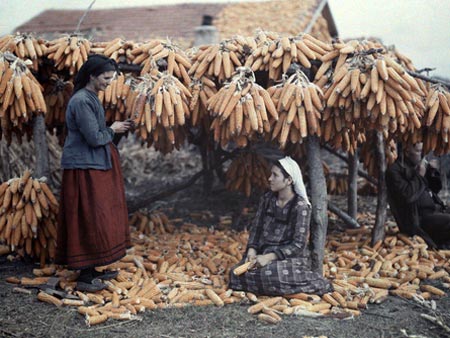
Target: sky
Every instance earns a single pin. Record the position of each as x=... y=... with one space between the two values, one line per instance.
x=420 y=29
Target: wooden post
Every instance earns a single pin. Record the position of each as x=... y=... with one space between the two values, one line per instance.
x=41 y=148
x=378 y=229
x=208 y=177
x=319 y=216
x=207 y=34
x=352 y=193
x=5 y=164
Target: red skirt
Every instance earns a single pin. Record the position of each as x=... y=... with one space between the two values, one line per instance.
x=93 y=219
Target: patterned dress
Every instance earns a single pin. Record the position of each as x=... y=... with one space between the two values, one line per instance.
x=284 y=232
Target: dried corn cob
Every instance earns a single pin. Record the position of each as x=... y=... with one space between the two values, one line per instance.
x=20 y=95
x=242 y=269
x=69 y=52
x=24 y=46
x=28 y=217
x=240 y=109
x=300 y=104
x=151 y=53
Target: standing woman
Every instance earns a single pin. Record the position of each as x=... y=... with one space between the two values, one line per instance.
x=278 y=242
x=93 y=220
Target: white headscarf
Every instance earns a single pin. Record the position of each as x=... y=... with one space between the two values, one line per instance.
x=294 y=171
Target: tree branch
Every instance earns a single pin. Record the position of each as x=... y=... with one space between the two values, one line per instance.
x=126 y=67
x=428 y=79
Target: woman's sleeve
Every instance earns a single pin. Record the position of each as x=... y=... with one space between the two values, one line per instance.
x=433 y=177
x=299 y=220
x=256 y=228
x=87 y=124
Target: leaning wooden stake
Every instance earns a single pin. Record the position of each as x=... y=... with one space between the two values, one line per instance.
x=350 y=221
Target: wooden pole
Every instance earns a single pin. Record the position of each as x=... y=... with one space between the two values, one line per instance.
x=352 y=193
x=319 y=217
x=428 y=79
x=207 y=34
x=5 y=164
x=41 y=148
x=378 y=229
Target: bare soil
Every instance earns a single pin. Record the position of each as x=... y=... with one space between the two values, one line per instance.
x=24 y=316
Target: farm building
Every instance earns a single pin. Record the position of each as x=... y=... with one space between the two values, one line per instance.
x=179 y=21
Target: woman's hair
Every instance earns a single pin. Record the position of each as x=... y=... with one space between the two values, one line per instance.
x=283 y=171
x=94 y=66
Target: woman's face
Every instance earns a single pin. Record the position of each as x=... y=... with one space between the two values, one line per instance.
x=102 y=81
x=277 y=181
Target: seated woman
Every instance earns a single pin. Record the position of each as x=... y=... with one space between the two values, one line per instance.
x=278 y=242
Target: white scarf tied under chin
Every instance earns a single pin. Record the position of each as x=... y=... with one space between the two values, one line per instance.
x=294 y=171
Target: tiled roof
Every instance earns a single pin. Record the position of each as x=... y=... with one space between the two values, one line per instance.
x=176 y=21
x=136 y=23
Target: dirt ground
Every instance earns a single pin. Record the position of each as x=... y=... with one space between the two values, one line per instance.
x=24 y=316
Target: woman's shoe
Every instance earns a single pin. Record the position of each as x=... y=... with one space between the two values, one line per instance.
x=105 y=275
x=94 y=286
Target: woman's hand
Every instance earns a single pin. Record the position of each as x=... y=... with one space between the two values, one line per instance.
x=263 y=260
x=251 y=255
x=121 y=127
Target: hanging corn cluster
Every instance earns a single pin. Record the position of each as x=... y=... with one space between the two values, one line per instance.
x=160 y=108
x=24 y=46
x=118 y=49
x=115 y=97
x=367 y=87
x=150 y=54
x=57 y=93
x=300 y=104
x=337 y=184
x=437 y=119
x=69 y=52
x=342 y=119
x=240 y=109
x=220 y=61
x=20 y=96
x=28 y=211
x=403 y=60
x=275 y=54
x=248 y=172
x=201 y=90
